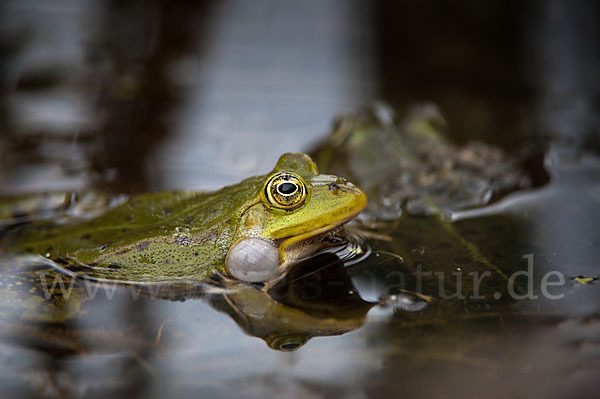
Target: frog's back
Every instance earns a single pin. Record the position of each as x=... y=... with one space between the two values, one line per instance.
x=173 y=231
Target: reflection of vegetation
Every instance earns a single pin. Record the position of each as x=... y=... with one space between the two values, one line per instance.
x=43 y=308
x=54 y=317
x=481 y=342
x=470 y=261
x=135 y=47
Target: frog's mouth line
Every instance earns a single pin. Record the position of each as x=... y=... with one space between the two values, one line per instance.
x=289 y=241
x=316 y=238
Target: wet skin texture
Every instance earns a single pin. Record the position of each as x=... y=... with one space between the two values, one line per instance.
x=183 y=236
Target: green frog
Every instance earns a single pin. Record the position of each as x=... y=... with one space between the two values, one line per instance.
x=407 y=165
x=253 y=231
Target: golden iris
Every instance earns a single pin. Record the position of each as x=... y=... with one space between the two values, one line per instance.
x=284 y=190
x=286 y=343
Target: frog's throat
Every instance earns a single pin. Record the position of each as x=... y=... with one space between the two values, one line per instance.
x=287 y=242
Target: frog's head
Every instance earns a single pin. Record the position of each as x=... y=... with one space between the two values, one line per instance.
x=295 y=205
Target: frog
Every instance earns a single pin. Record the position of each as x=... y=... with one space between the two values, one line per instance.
x=407 y=164
x=253 y=231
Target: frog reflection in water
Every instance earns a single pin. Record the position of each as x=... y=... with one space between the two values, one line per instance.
x=316 y=299
x=252 y=231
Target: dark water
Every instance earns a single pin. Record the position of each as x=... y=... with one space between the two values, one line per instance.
x=165 y=95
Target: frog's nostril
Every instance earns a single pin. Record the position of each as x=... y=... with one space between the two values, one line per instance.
x=335 y=188
x=253 y=259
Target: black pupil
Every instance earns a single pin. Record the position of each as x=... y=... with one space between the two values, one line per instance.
x=290 y=346
x=286 y=188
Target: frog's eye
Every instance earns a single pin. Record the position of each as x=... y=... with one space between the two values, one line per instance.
x=286 y=343
x=284 y=190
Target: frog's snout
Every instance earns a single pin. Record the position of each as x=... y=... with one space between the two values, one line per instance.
x=253 y=260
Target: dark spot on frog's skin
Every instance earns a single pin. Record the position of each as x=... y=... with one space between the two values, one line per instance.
x=77 y=268
x=143 y=245
x=114 y=266
x=334 y=187
x=182 y=240
x=86 y=236
x=195 y=253
x=188 y=220
x=105 y=245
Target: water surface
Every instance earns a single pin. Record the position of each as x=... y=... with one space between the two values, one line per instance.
x=160 y=95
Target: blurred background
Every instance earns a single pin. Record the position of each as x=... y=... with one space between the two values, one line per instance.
x=155 y=95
